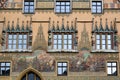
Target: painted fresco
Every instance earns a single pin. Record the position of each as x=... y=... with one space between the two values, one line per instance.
x=40 y=61
x=85 y=61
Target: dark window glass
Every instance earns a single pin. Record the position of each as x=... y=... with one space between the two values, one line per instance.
x=96 y=6
x=112 y=68
x=4 y=68
x=28 y=6
x=62 y=6
x=31 y=76
x=62 y=68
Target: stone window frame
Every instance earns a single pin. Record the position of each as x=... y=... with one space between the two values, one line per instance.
x=63 y=40
x=59 y=61
x=17 y=40
x=96 y=10
x=106 y=41
x=117 y=68
x=60 y=5
x=23 y=10
x=6 y=67
x=25 y=77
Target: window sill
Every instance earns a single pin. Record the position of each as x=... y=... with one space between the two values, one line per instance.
x=63 y=50
x=104 y=51
x=17 y=50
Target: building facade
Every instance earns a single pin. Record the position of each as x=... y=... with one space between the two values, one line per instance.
x=59 y=39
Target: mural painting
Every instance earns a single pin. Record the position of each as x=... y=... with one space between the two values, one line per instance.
x=40 y=61
x=85 y=61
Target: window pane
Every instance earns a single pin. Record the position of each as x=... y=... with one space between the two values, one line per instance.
x=59 y=36
x=7 y=64
x=93 y=3
x=26 y=3
x=103 y=42
x=69 y=36
x=59 y=70
x=20 y=42
x=14 y=41
x=59 y=41
x=25 y=41
x=9 y=41
x=31 y=3
x=109 y=46
x=69 y=46
x=57 y=3
x=14 y=36
x=19 y=46
x=113 y=70
x=14 y=46
x=97 y=46
x=67 y=3
x=103 y=47
x=109 y=64
x=99 y=3
x=24 y=46
x=114 y=64
x=20 y=37
x=10 y=36
x=109 y=36
x=65 y=36
x=109 y=41
x=65 y=41
x=59 y=46
x=62 y=3
x=59 y=64
x=55 y=41
x=109 y=70
x=64 y=70
x=24 y=36
x=65 y=46
x=30 y=76
x=55 y=36
x=103 y=36
x=69 y=41
x=2 y=64
x=98 y=42
x=9 y=46
x=54 y=46
x=97 y=36
x=64 y=64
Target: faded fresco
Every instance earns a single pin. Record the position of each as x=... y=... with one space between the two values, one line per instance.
x=41 y=61
x=85 y=61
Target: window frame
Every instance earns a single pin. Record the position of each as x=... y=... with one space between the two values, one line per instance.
x=106 y=41
x=17 y=41
x=65 y=1
x=61 y=67
x=96 y=6
x=111 y=67
x=72 y=48
x=29 y=6
x=5 y=68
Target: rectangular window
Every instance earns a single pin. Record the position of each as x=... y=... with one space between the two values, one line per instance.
x=62 y=41
x=17 y=41
x=28 y=6
x=96 y=6
x=4 y=68
x=62 y=6
x=112 y=68
x=62 y=68
x=103 y=41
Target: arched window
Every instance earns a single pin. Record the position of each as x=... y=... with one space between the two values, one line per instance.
x=30 y=76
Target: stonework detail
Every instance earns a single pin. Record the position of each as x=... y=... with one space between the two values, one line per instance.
x=40 y=42
x=84 y=43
